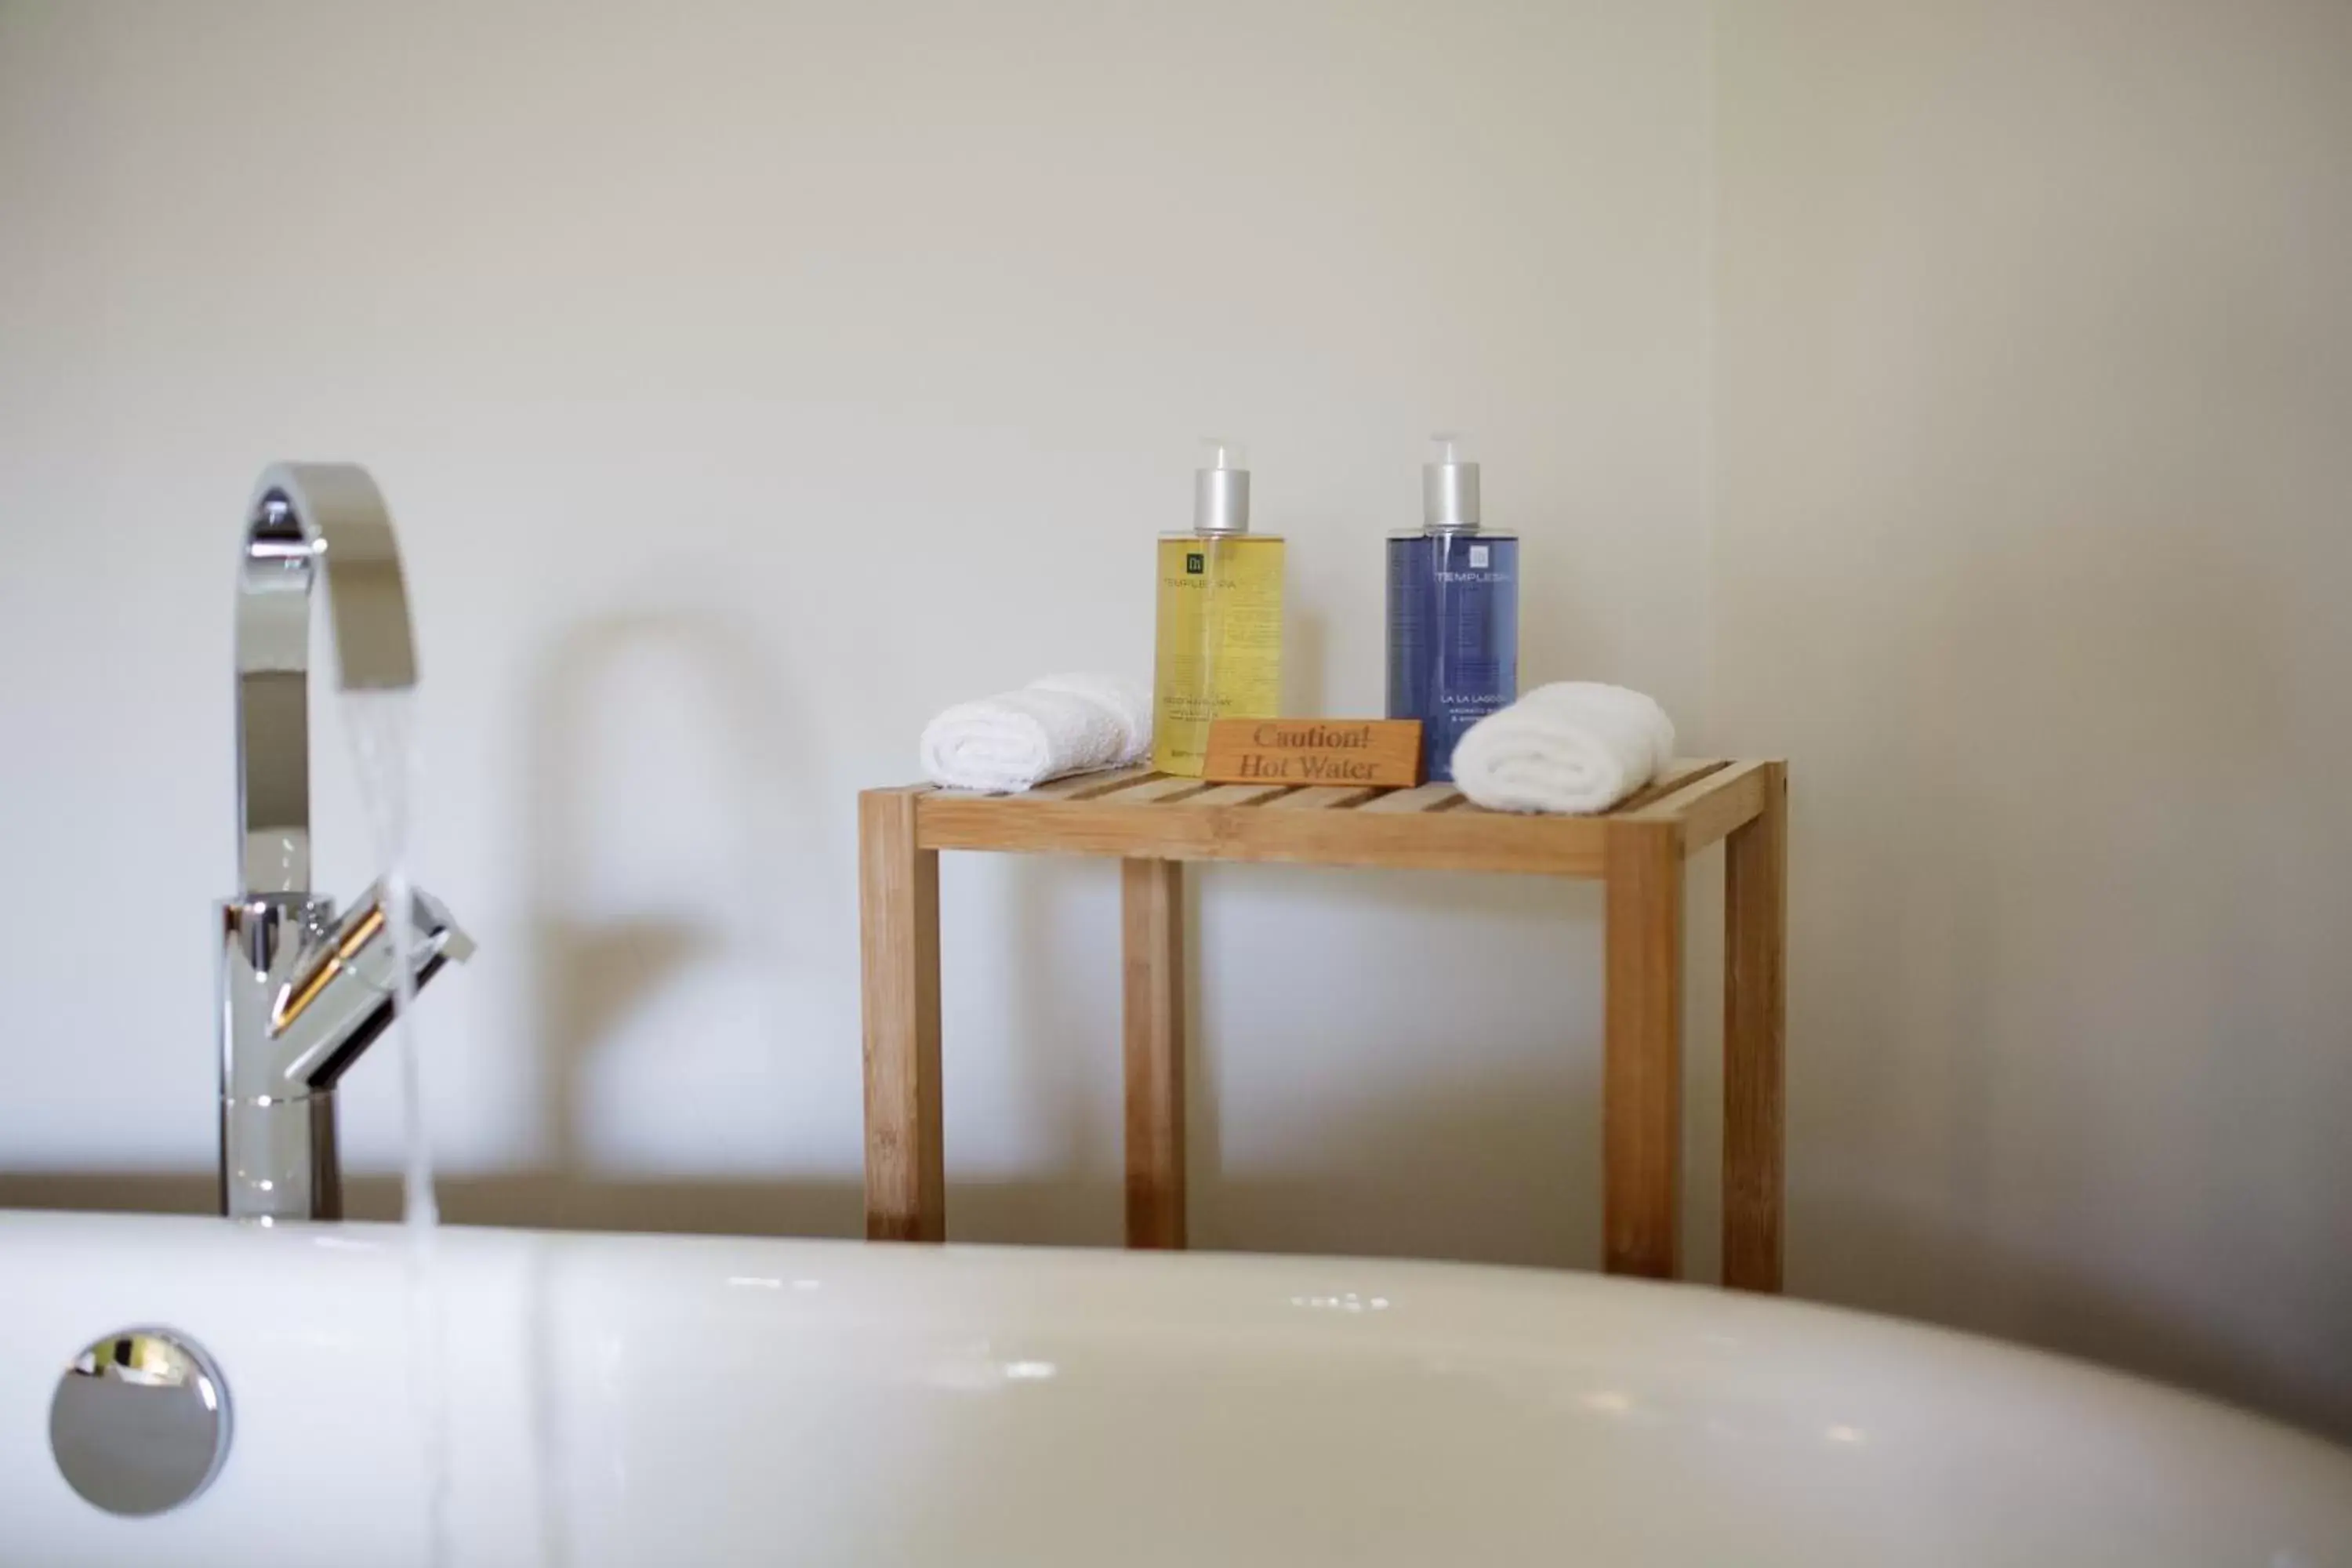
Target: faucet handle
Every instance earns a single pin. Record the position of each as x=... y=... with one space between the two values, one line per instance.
x=342 y=993
x=433 y=917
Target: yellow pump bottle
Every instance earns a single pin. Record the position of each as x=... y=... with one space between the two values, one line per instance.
x=1220 y=618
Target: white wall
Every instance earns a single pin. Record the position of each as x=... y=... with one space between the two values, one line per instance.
x=2035 y=413
x=749 y=383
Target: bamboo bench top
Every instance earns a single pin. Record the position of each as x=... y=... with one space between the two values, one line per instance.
x=1138 y=813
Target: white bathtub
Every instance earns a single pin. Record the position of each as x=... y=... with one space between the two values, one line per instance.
x=663 y=1400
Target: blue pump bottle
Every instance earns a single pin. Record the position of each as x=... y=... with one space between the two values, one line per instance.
x=1454 y=611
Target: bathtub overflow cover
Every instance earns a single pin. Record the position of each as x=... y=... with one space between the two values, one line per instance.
x=140 y=1421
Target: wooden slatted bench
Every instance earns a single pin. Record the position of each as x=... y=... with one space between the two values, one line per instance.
x=1152 y=824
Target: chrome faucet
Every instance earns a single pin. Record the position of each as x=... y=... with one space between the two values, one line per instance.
x=303 y=993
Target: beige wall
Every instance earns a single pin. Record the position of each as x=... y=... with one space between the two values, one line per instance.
x=751 y=381
x=2034 y=529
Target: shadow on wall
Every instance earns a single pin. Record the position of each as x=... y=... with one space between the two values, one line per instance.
x=1391 y=1136
x=2073 y=1312
x=1400 y=1137
x=2033 y=1053
x=1504 y=1170
x=1416 y=1211
x=588 y=975
x=618 y=919
x=1496 y=1165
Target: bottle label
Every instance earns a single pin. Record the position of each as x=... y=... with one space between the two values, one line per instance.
x=1453 y=635
x=1219 y=644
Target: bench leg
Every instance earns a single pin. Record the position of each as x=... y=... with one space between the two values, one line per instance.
x=898 y=912
x=1755 y=1027
x=1641 y=1064
x=1151 y=920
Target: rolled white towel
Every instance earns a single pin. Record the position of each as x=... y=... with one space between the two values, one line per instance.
x=1061 y=725
x=1572 y=746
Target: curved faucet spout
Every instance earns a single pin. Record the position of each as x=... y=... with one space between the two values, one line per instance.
x=310 y=524
x=302 y=994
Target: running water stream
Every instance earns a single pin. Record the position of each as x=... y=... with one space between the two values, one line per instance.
x=380 y=725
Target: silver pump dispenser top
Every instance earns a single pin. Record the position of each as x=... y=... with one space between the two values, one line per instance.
x=1449 y=488
x=1220 y=488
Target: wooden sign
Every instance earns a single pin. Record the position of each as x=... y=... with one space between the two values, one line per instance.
x=1381 y=752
